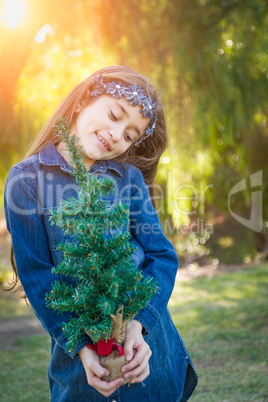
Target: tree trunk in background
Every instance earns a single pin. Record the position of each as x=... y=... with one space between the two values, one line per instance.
x=261 y=242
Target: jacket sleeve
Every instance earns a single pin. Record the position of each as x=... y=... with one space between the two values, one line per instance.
x=32 y=254
x=161 y=259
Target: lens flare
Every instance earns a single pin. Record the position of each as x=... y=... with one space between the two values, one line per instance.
x=12 y=12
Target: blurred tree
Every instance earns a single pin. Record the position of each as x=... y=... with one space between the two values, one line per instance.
x=224 y=47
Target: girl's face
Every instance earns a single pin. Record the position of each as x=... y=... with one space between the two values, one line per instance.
x=108 y=127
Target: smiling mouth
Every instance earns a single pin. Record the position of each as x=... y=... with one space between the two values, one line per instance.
x=106 y=145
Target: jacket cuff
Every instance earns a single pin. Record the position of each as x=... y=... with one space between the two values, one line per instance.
x=62 y=342
x=147 y=317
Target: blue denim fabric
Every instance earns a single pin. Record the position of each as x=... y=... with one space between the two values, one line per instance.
x=36 y=185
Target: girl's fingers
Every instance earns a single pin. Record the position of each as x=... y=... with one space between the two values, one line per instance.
x=94 y=371
x=138 y=367
x=100 y=371
x=133 y=338
x=137 y=370
x=142 y=376
x=143 y=354
x=128 y=349
x=106 y=388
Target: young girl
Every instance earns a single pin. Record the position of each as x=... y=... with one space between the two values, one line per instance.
x=119 y=121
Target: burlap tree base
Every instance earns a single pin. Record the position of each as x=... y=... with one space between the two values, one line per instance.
x=114 y=363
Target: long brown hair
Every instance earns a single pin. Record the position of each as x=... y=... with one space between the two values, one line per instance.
x=145 y=156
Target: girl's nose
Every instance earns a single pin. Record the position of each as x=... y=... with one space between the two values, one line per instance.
x=115 y=134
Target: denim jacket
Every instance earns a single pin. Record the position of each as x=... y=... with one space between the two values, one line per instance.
x=36 y=185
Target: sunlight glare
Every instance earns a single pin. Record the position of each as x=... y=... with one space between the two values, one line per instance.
x=46 y=29
x=165 y=159
x=12 y=12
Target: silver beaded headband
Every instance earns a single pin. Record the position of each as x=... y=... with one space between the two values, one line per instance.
x=135 y=96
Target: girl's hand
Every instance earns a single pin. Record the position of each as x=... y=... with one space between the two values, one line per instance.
x=138 y=368
x=95 y=371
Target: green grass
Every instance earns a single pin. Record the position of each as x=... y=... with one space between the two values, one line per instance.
x=24 y=370
x=223 y=321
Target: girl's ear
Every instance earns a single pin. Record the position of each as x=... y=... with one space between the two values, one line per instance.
x=78 y=108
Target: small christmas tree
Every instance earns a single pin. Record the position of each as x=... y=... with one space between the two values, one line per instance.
x=107 y=290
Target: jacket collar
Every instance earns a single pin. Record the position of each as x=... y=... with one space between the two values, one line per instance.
x=49 y=156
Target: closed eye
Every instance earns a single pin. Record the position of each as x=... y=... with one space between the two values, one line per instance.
x=128 y=138
x=113 y=116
